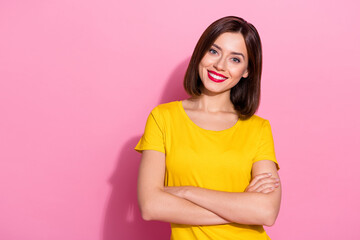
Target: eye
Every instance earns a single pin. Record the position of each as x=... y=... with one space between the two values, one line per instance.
x=212 y=51
x=235 y=60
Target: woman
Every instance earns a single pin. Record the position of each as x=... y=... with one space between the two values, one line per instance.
x=208 y=164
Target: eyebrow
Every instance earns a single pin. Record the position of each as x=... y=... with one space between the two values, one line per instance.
x=235 y=53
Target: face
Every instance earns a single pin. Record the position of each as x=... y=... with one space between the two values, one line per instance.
x=224 y=64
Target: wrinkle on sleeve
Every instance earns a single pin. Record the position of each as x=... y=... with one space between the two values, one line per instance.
x=153 y=137
x=265 y=149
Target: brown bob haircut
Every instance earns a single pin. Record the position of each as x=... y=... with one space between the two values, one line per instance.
x=245 y=96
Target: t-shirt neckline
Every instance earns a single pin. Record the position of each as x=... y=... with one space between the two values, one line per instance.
x=203 y=129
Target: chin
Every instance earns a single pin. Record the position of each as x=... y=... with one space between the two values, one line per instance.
x=212 y=91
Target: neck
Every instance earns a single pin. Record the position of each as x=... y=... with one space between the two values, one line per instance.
x=213 y=102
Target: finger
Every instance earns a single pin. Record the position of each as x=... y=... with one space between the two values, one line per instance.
x=264 y=188
x=268 y=190
x=268 y=186
x=258 y=177
x=271 y=189
x=260 y=184
x=256 y=183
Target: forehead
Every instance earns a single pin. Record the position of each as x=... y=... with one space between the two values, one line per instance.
x=231 y=42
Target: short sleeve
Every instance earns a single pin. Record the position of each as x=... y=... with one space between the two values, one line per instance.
x=265 y=149
x=153 y=137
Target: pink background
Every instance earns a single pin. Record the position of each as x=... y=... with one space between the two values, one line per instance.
x=79 y=78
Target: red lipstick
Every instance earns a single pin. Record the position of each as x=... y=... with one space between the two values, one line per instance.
x=216 y=77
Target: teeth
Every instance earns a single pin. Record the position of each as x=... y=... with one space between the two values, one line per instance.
x=216 y=76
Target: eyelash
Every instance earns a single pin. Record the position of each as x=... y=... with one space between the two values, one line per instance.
x=213 y=51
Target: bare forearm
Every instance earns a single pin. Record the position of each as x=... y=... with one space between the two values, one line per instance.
x=242 y=207
x=163 y=206
x=258 y=205
x=156 y=204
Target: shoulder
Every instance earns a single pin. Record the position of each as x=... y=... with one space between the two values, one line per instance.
x=256 y=124
x=165 y=110
x=170 y=106
x=256 y=120
x=166 y=107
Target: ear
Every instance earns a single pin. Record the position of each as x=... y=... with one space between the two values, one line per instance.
x=245 y=74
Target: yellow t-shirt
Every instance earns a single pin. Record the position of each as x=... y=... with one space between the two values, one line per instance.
x=218 y=160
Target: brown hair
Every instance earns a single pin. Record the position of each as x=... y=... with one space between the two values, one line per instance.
x=245 y=95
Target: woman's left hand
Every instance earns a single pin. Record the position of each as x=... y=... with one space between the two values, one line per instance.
x=263 y=183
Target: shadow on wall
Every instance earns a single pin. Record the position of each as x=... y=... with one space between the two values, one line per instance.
x=122 y=217
x=174 y=89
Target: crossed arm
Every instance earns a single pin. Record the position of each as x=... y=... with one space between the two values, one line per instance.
x=258 y=205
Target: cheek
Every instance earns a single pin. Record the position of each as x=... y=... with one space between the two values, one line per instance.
x=201 y=71
x=206 y=61
x=202 y=67
x=238 y=73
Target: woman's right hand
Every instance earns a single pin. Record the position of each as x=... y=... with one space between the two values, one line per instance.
x=263 y=183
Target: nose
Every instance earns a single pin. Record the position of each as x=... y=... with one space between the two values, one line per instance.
x=220 y=64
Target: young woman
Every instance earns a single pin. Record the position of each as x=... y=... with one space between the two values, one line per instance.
x=208 y=164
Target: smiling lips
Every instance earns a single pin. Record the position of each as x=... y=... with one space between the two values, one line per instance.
x=216 y=77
